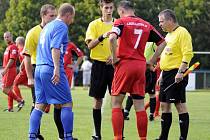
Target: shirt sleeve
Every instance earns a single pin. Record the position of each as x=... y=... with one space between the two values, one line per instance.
x=58 y=36
x=118 y=27
x=155 y=36
x=78 y=52
x=91 y=32
x=29 y=44
x=13 y=52
x=185 y=41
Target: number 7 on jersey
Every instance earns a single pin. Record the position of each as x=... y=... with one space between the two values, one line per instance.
x=139 y=33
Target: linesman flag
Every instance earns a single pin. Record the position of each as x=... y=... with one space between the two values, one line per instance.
x=192 y=68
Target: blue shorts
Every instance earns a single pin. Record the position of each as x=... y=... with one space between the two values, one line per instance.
x=48 y=93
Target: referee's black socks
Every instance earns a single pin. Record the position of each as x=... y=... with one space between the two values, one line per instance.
x=97 y=121
x=184 y=125
x=57 y=120
x=166 y=120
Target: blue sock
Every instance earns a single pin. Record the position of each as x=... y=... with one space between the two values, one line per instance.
x=35 y=120
x=67 y=118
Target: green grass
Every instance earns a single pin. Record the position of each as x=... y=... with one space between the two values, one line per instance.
x=14 y=126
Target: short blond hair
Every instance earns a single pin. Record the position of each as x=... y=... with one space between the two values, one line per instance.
x=66 y=8
x=45 y=8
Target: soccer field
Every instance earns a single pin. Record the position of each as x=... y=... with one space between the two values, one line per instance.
x=14 y=126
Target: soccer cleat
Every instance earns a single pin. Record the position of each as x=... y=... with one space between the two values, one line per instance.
x=20 y=105
x=75 y=138
x=96 y=138
x=126 y=114
x=151 y=117
x=40 y=137
x=8 y=110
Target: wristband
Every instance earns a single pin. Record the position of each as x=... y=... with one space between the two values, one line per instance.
x=101 y=38
x=180 y=71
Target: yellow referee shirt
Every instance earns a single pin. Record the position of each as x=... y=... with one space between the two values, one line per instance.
x=95 y=29
x=178 y=49
x=31 y=42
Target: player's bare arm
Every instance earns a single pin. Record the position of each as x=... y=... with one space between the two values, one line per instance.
x=113 y=47
x=56 y=59
x=157 y=53
x=93 y=43
x=29 y=69
x=9 y=64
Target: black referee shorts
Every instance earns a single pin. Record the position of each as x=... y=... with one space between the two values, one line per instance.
x=101 y=78
x=150 y=81
x=175 y=94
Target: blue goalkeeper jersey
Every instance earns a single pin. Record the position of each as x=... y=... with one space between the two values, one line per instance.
x=54 y=35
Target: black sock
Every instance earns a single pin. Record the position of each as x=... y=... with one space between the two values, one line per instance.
x=123 y=122
x=166 y=120
x=97 y=121
x=129 y=103
x=184 y=125
x=57 y=120
x=152 y=104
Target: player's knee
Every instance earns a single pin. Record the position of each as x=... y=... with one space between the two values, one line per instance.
x=181 y=107
x=165 y=107
x=97 y=103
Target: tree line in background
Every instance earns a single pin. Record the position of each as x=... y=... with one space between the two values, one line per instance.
x=18 y=16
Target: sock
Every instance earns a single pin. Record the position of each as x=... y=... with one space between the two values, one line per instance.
x=157 y=107
x=67 y=119
x=129 y=103
x=117 y=123
x=16 y=98
x=17 y=91
x=142 y=122
x=57 y=120
x=32 y=108
x=35 y=120
x=166 y=120
x=184 y=125
x=97 y=121
x=123 y=122
x=10 y=102
x=146 y=105
x=152 y=105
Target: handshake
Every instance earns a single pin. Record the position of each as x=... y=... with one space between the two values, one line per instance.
x=103 y=36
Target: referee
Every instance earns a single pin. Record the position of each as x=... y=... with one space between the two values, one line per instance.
x=174 y=62
x=102 y=71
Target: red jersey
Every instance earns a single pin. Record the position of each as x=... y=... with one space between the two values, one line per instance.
x=71 y=48
x=21 y=56
x=134 y=33
x=11 y=52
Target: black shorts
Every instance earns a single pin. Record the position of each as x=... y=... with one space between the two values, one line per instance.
x=101 y=77
x=175 y=94
x=151 y=79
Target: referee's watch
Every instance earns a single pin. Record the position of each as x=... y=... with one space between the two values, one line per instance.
x=180 y=71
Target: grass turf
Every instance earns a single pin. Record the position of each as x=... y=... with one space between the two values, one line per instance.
x=14 y=126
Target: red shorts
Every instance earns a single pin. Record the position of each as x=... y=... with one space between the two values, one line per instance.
x=69 y=74
x=21 y=78
x=9 y=77
x=129 y=76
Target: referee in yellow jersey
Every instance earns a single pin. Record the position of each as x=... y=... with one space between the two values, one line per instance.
x=102 y=71
x=174 y=62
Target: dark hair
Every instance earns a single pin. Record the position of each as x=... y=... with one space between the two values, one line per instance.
x=126 y=5
x=45 y=8
x=169 y=14
x=101 y=2
x=66 y=8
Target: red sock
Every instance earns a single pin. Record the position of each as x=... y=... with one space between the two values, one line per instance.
x=17 y=91
x=157 y=106
x=117 y=123
x=146 y=105
x=47 y=109
x=10 y=102
x=141 y=118
x=16 y=98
